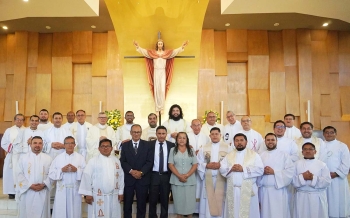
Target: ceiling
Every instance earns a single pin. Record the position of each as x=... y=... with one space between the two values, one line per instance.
x=62 y=15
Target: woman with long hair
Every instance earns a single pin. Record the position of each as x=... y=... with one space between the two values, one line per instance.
x=183 y=164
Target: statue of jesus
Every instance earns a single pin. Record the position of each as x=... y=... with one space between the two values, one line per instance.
x=160 y=64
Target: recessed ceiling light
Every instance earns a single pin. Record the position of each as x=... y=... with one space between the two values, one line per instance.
x=48 y=27
x=25 y=0
x=93 y=26
x=276 y=24
x=227 y=24
x=325 y=24
x=5 y=27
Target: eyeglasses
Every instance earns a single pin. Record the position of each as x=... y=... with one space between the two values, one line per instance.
x=104 y=147
x=280 y=127
x=308 y=149
x=245 y=121
x=329 y=133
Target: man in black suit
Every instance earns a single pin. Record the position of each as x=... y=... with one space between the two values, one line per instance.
x=160 y=186
x=137 y=161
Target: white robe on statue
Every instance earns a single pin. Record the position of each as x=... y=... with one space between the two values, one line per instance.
x=206 y=128
x=230 y=130
x=43 y=127
x=201 y=170
x=320 y=147
x=103 y=178
x=93 y=139
x=122 y=133
x=149 y=132
x=7 y=140
x=54 y=134
x=338 y=193
x=34 y=169
x=67 y=200
x=79 y=132
x=273 y=189
x=176 y=126
x=253 y=169
x=292 y=133
x=255 y=140
x=310 y=198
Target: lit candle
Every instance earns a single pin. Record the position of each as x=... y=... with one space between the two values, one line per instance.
x=16 y=107
x=100 y=106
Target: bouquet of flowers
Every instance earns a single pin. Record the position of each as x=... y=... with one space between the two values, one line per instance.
x=208 y=111
x=114 y=118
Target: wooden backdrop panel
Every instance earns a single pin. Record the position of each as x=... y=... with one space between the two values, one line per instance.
x=326 y=107
x=82 y=47
x=237 y=41
x=62 y=75
x=62 y=44
x=237 y=88
x=82 y=78
x=344 y=102
x=44 y=54
x=332 y=51
x=343 y=129
x=61 y=101
x=320 y=70
x=289 y=47
x=206 y=57
x=258 y=72
x=30 y=92
x=277 y=95
x=33 y=47
x=257 y=42
x=318 y=35
x=292 y=90
x=99 y=90
x=3 y=58
x=325 y=121
x=344 y=58
x=43 y=91
x=2 y=103
x=276 y=59
x=258 y=101
x=258 y=124
x=10 y=48
x=99 y=54
x=9 y=107
x=335 y=97
x=205 y=91
x=220 y=94
x=220 y=53
x=82 y=101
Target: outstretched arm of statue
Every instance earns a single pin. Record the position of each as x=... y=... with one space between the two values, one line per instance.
x=136 y=44
x=184 y=44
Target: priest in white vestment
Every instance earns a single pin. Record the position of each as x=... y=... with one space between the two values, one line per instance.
x=103 y=183
x=67 y=169
x=213 y=184
x=273 y=185
x=7 y=141
x=306 y=129
x=21 y=145
x=34 y=184
x=338 y=163
x=123 y=132
x=241 y=167
x=54 y=136
x=149 y=133
x=210 y=123
x=176 y=123
x=79 y=131
x=291 y=131
x=232 y=128
x=254 y=138
x=70 y=120
x=44 y=123
x=311 y=179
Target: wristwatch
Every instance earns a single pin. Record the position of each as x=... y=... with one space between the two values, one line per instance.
x=141 y=173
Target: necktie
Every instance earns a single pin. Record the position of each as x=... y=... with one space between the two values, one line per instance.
x=135 y=148
x=161 y=157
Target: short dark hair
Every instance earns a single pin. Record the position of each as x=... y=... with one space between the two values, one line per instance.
x=105 y=140
x=44 y=110
x=152 y=114
x=289 y=115
x=161 y=127
x=37 y=137
x=34 y=116
x=68 y=137
x=129 y=112
x=215 y=128
x=56 y=113
x=15 y=117
x=81 y=111
x=135 y=125
x=278 y=121
x=308 y=143
x=329 y=127
x=306 y=123
x=270 y=133
x=240 y=134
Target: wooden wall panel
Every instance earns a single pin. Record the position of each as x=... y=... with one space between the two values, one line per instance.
x=237 y=41
x=206 y=56
x=10 y=59
x=20 y=69
x=2 y=103
x=43 y=92
x=258 y=72
x=345 y=102
x=276 y=51
x=325 y=121
x=259 y=101
x=205 y=90
x=10 y=109
x=277 y=95
x=62 y=75
x=344 y=58
x=320 y=70
x=82 y=101
x=318 y=35
x=82 y=78
x=220 y=53
x=326 y=107
x=332 y=51
x=237 y=88
x=257 y=42
x=258 y=124
x=61 y=101
x=305 y=71
x=220 y=94
x=82 y=42
x=30 y=93
x=289 y=47
x=343 y=129
x=292 y=90
x=4 y=126
x=268 y=128
x=3 y=58
x=33 y=46
x=99 y=54
x=99 y=91
x=335 y=97
x=62 y=44
x=237 y=57
x=44 y=54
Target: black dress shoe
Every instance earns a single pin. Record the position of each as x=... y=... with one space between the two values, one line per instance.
x=11 y=196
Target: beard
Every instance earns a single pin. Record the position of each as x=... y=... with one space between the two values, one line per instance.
x=176 y=118
x=240 y=149
x=270 y=149
x=44 y=120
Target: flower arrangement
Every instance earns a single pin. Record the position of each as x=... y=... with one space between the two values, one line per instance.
x=114 y=118
x=205 y=116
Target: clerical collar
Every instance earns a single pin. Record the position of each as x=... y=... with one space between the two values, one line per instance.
x=102 y=126
x=215 y=143
x=273 y=149
x=311 y=158
x=33 y=129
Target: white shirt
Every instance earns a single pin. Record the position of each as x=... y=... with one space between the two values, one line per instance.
x=157 y=154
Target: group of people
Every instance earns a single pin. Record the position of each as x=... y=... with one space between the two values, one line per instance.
x=210 y=169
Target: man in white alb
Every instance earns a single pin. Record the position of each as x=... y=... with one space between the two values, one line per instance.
x=273 y=185
x=254 y=139
x=123 y=132
x=79 y=131
x=212 y=182
x=291 y=131
x=96 y=133
x=7 y=140
x=34 y=183
x=241 y=167
x=70 y=120
x=149 y=133
x=67 y=170
x=232 y=128
x=176 y=123
x=338 y=163
x=44 y=123
x=210 y=123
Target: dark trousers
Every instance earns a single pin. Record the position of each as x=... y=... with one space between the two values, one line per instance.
x=141 y=196
x=159 y=189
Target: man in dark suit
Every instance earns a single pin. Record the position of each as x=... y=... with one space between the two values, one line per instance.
x=160 y=186
x=137 y=161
